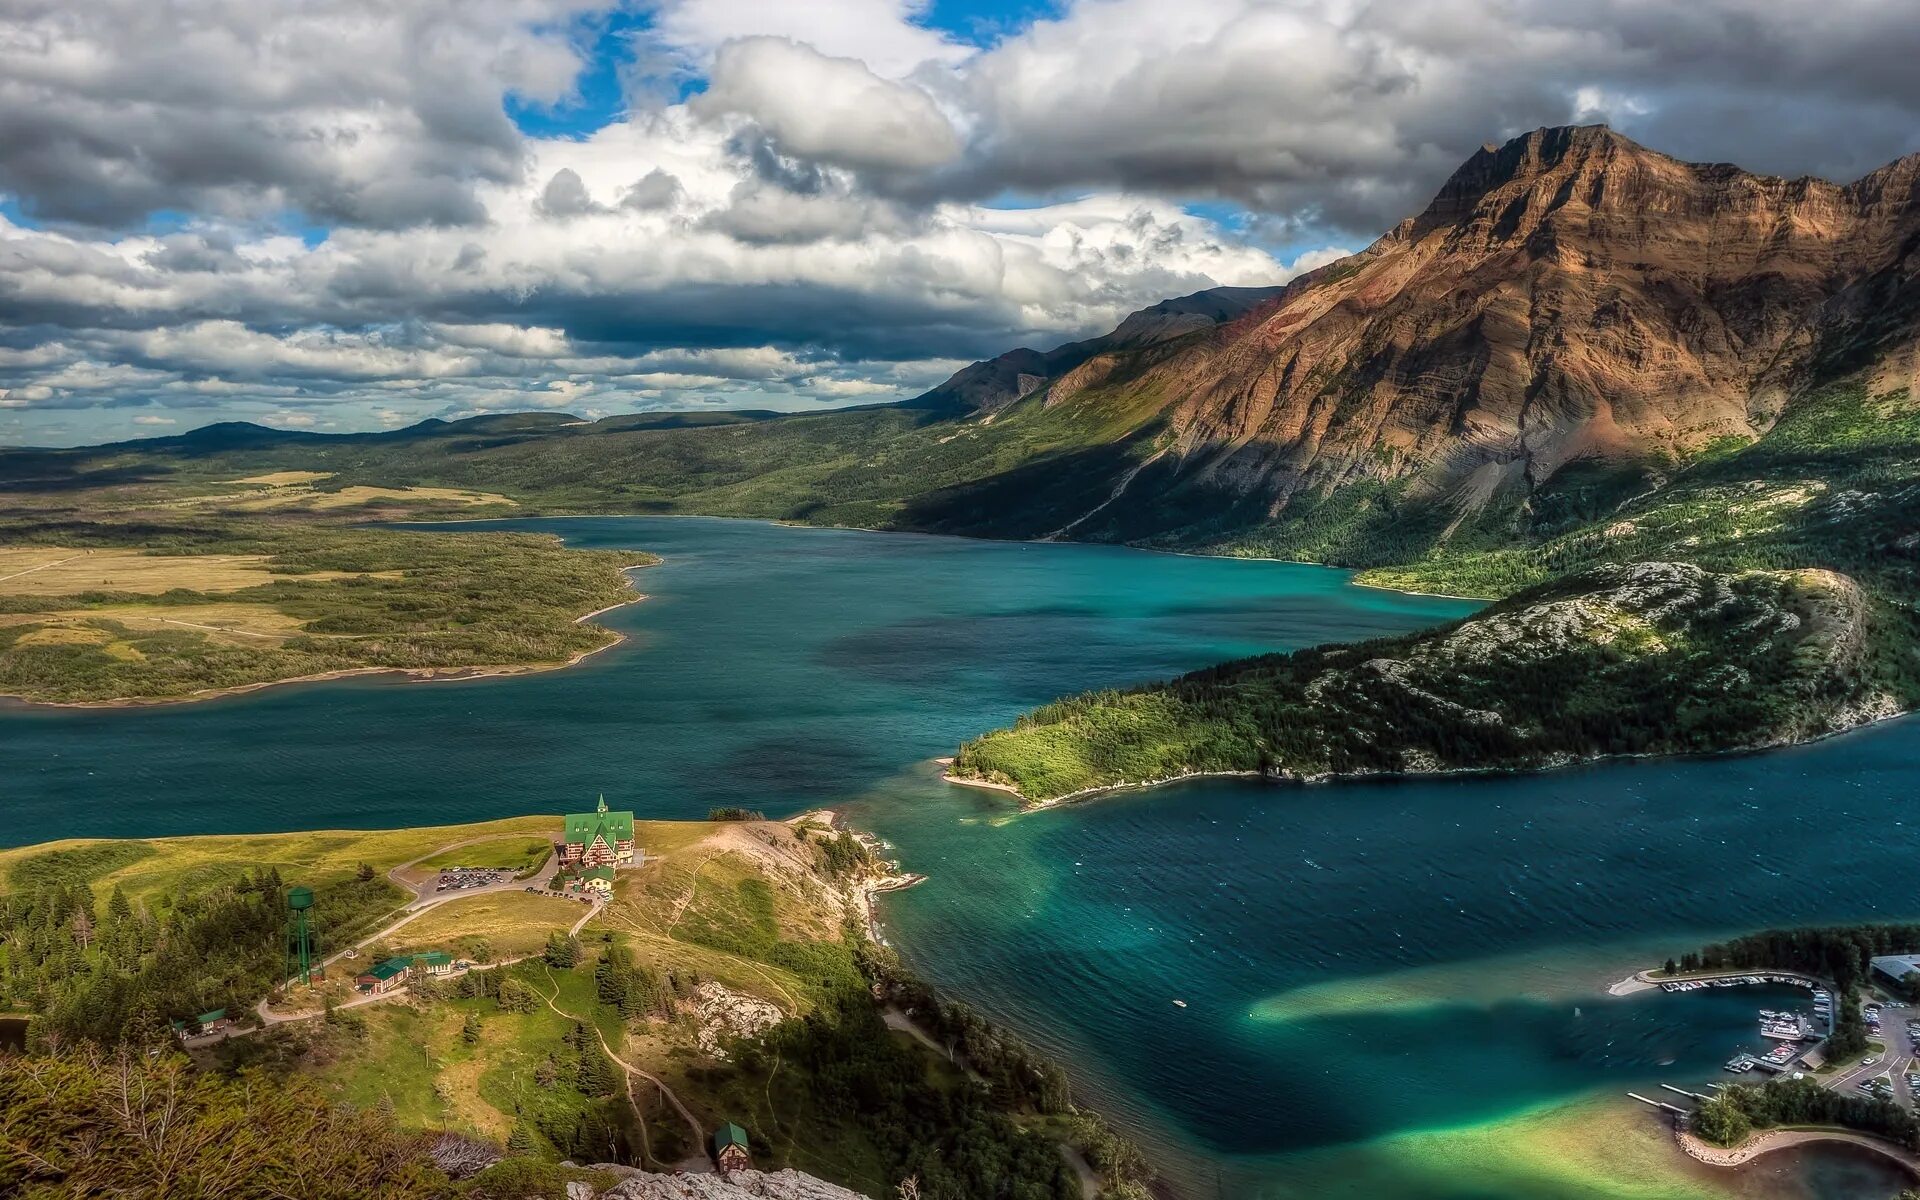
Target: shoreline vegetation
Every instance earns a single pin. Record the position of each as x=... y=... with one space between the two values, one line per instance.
x=146 y=605
x=737 y=974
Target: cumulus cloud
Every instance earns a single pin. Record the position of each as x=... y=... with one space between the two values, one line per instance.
x=657 y=189
x=260 y=210
x=828 y=110
x=357 y=111
x=565 y=196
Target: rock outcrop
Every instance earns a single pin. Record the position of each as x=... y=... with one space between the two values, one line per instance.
x=738 y=1185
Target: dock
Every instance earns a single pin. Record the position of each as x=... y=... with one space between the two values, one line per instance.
x=1675 y=1109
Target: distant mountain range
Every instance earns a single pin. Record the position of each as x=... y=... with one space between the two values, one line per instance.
x=1581 y=356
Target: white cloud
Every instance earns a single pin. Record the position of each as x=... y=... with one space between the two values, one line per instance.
x=828 y=110
x=880 y=33
x=826 y=219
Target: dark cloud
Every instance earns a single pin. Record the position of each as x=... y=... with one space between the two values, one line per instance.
x=347 y=111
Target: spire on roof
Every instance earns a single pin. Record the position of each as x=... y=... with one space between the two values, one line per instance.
x=603 y=802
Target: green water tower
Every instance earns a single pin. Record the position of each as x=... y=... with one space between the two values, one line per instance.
x=300 y=934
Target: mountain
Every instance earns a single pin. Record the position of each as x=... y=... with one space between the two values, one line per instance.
x=1582 y=357
x=1665 y=409
x=1567 y=299
x=989 y=386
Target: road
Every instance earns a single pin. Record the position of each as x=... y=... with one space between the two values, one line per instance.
x=425 y=901
x=1900 y=1053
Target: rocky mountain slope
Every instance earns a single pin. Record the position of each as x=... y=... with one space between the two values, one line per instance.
x=1569 y=298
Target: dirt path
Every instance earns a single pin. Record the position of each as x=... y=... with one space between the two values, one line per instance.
x=686 y=1114
x=1782 y=1139
x=41 y=567
x=1119 y=489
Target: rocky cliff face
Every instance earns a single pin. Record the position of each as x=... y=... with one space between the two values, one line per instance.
x=1567 y=296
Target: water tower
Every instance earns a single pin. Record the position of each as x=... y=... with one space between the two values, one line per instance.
x=300 y=963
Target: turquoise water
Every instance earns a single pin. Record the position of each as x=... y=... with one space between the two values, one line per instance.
x=1391 y=990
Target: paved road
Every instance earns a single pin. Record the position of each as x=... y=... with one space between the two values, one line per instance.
x=425 y=901
x=1899 y=1053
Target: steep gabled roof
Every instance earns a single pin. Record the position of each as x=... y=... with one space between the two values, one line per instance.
x=611 y=827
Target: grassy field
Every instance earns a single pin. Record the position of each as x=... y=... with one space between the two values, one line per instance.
x=151 y=867
x=517 y=854
x=512 y=924
x=106 y=607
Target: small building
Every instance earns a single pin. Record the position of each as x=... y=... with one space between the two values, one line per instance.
x=730 y=1151
x=599 y=838
x=1896 y=967
x=206 y=1024
x=385 y=976
x=434 y=962
x=598 y=880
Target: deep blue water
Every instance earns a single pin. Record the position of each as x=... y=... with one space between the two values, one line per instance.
x=1374 y=974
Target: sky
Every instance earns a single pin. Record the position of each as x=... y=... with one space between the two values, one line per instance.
x=345 y=215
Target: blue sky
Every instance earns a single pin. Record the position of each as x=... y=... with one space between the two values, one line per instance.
x=355 y=219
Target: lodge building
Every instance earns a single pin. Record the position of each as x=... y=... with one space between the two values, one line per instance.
x=597 y=839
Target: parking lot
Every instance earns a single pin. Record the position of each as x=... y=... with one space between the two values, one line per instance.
x=460 y=879
x=1890 y=1074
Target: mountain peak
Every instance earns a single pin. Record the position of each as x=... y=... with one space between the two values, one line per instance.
x=1528 y=155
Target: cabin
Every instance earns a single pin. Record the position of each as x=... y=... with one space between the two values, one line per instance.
x=434 y=962
x=597 y=880
x=385 y=976
x=730 y=1151
x=597 y=839
x=207 y=1024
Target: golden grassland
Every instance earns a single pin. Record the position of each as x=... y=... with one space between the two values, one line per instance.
x=150 y=606
x=70 y=570
x=513 y=924
x=294 y=490
x=168 y=865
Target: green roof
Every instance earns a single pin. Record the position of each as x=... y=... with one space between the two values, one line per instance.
x=432 y=958
x=612 y=827
x=605 y=873
x=388 y=969
x=208 y=1018
x=729 y=1135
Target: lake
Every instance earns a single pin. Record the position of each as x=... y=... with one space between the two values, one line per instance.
x=1391 y=989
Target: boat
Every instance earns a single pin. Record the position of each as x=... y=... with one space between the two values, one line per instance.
x=1180 y=1003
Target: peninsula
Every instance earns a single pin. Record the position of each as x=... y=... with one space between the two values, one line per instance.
x=532 y=990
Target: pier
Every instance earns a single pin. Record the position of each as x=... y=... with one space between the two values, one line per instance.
x=1675 y=1109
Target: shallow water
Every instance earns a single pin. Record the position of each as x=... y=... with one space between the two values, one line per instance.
x=1392 y=990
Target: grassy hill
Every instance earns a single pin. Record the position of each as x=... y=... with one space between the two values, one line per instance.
x=729 y=974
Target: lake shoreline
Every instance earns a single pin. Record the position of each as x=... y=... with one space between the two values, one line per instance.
x=1387 y=777
x=1772 y=1140
x=401 y=674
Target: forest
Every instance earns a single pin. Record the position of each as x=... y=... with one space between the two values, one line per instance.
x=1738 y=1110
x=115 y=970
